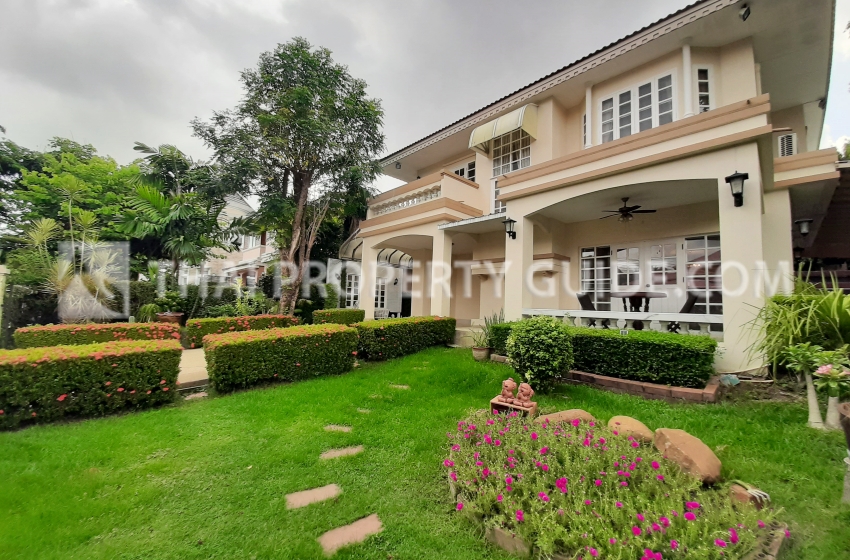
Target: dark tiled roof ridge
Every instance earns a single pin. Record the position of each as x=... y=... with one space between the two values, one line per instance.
x=549 y=75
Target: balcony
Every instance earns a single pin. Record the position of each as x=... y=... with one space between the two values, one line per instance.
x=439 y=195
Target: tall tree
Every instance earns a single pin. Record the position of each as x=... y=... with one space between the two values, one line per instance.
x=303 y=117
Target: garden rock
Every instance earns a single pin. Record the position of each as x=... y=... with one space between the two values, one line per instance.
x=628 y=426
x=508 y=542
x=566 y=416
x=689 y=452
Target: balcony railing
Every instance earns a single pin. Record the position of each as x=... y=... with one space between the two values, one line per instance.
x=410 y=199
x=681 y=323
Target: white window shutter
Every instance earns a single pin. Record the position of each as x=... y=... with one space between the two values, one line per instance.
x=787 y=144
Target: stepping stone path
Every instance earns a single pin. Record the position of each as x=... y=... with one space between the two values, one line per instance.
x=364 y=411
x=400 y=386
x=353 y=533
x=337 y=428
x=307 y=497
x=342 y=452
x=198 y=395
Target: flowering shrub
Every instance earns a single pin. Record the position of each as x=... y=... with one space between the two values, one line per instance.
x=654 y=357
x=540 y=350
x=61 y=335
x=340 y=316
x=585 y=491
x=197 y=329
x=241 y=359
x=391 y=338
x=44 y=384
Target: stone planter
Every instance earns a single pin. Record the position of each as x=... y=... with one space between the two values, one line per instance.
x=770 y=545
x=508 y=542
x=481 y=354
x=169 y=317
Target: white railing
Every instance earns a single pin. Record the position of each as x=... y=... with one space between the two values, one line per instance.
x=406 y=201
x=661 y=322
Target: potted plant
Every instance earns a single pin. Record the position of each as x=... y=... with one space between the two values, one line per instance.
x=835 y=380
x=481 y=345
x=172 y=308
x=803 y=359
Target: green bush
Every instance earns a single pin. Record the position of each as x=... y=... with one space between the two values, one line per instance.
x=332 y=297
x=391 y=338
x=499 y=337
x=242 y=359
x=540 y=351
x=197 y=329
x=340 y=316
x=666 y=358
x=45 y=384
x=60 y=335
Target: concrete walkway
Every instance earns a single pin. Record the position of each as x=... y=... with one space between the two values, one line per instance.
x=193 y=369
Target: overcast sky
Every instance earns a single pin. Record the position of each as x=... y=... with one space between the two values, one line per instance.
x=110 y=72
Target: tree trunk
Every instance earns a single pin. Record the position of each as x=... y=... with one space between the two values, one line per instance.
x=833 y=421
x=815 y=418
x=301 y=189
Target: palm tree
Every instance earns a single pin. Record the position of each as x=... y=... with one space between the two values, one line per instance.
x=188 y=225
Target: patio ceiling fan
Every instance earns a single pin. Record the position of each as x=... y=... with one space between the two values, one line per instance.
x=626 y=212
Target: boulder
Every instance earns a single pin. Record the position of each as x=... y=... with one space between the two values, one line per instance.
x=628 y=426
x=566 y=416
x=690 y=453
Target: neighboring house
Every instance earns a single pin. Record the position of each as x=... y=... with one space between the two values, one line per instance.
x=248 y=263
x=661 y=117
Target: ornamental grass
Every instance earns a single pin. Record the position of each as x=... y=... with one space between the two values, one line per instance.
x=582 y=490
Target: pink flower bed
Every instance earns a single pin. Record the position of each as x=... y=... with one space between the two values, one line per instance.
x=584 y=491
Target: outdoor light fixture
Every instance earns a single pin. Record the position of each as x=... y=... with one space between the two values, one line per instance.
x=398 y=165
x=804 y=225
x=736 y=181
x=744 y=12
x=509 y=228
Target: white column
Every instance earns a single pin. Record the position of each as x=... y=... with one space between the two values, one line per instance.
x=687 y=81
x=441 y=274
x=368 y=273
x=518 y=258
x=588 y=112
x=742 y=255
x=778 y=242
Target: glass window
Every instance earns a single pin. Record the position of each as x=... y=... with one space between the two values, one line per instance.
x=467 y=171
x=380 y=293
x=665 y=100
x=511 y=151
x=703 y=93
x=608 y=120
x=628 y=267
x=703 y=273
x=645 y=107
x=596 y=276
x=352 y=290
x=662 y=263
x=624 y=110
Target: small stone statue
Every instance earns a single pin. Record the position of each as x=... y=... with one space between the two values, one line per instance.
x=524 y=396
x=508 y=388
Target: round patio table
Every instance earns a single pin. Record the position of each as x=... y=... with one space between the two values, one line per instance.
x=638 y=299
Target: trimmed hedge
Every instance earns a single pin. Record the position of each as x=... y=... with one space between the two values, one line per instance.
x=93 y=333
x=339 y=316
x=242 y=359
x=390 y=338
x=499 y=337
x=540 y=351
x=197 y=329
x=49 y=383
x=666 y=358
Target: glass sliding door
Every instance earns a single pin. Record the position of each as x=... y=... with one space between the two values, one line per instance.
x=596 y=276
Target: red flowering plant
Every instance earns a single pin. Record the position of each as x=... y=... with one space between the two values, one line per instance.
x=92 y=333
x=45 y=384
x=583 y=490
x=391 y=338
x=197 y=329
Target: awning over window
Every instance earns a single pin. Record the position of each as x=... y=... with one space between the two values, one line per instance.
x=524 y=118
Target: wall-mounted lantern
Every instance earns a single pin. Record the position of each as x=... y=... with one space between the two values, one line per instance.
x=805 y=226
x=509 y=228
x=736 y=182
x=398 y=165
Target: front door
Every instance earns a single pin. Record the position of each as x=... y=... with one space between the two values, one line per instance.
x=627 y=272
x=663 y=274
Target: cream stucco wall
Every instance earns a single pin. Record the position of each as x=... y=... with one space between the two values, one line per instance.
x=791 y=118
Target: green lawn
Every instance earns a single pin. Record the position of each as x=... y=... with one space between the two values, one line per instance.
x=207 y=478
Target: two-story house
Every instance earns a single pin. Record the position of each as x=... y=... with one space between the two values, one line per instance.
x=654 y=183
